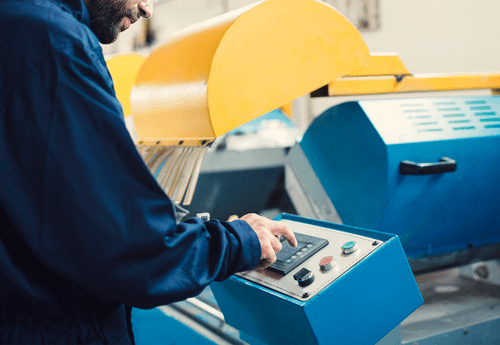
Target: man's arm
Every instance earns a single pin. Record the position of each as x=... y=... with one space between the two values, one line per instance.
x=97 y=216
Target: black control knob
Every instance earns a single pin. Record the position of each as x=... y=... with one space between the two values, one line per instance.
x=305 y=277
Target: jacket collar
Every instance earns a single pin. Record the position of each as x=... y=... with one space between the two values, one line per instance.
x=77 y=8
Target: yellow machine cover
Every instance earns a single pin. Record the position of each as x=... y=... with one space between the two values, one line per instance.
x=215 y=76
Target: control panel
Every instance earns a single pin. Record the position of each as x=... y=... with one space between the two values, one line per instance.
x=321 y=256
x=332 y=288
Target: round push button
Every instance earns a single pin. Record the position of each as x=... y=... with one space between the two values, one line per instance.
x=326 y=263
x=349 y=247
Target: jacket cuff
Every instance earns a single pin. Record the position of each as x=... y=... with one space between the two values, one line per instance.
x=250 y=243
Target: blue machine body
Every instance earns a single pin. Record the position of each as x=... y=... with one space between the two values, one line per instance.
x=356 y=149
x=359 y=307
x=153 y=326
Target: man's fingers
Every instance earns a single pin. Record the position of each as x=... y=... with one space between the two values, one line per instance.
x=266 y=260
x=276 y=244
x=269 y=232
x=285 y=231
x=268 y=252
x=263 y=264
x=271 y=258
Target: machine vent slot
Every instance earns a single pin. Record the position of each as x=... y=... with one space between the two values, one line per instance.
x=425 y=123
x=492 y=126
x=493 y=119
x=454 y=115
x=486 y=113
x=419 y=117
x=482 y=107
x=449 y=109
x=444 y=103
x=476 y=102
x=430 y=130
x=411 y=105
x=416 y=110
x=459 y=121
x=463 y=128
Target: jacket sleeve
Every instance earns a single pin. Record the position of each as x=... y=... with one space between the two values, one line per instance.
x=92 y=212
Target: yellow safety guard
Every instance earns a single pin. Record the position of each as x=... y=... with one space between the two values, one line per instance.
x=216 y=76
x=124 y=69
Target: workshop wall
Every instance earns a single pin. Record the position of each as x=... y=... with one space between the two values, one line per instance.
x=445 y=36
x=440 y=36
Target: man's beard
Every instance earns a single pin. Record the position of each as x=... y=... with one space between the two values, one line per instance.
x=106 y=17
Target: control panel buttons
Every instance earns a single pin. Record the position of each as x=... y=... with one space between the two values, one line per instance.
x=326 y=263
x=289 y=258
x=349 y=247
x=305 y=277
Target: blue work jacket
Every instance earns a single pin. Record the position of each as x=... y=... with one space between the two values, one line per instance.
x=84 y=227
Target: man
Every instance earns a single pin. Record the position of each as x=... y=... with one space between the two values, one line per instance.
x=85 y=230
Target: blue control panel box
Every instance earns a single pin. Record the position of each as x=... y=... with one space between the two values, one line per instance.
x=341 y=285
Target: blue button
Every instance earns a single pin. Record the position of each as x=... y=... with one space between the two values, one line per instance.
x=288 y=261
x=349 y=245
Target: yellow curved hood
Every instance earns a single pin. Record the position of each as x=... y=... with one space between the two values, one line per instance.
x=213 y=77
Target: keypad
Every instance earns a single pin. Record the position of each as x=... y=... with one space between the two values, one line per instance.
x=290 y=257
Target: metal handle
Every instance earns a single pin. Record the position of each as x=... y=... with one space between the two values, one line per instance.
x=445 y=164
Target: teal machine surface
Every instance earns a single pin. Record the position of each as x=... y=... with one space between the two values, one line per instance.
x=424 y=169
x=340 y=285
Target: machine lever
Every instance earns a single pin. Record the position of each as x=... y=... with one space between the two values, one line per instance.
x=445 y=164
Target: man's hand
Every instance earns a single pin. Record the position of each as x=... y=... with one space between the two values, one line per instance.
x=269 y=231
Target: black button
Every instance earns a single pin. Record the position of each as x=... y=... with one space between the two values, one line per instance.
x=304 y=277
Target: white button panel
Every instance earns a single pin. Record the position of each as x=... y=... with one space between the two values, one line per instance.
x=338 y=242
